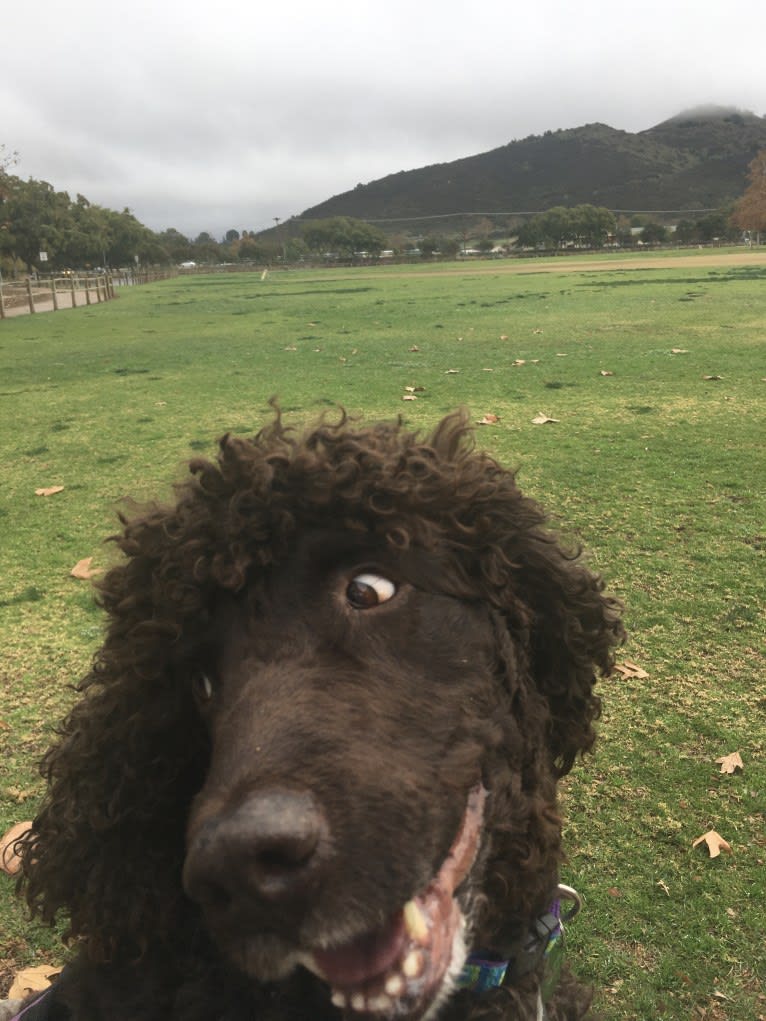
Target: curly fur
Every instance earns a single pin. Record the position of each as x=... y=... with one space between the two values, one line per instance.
x=109 y=844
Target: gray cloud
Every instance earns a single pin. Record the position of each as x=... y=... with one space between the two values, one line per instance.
x=205 y=117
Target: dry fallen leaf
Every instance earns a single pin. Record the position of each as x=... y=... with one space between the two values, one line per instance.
x=291 y=347
x=518 y=362
x=605 y=372
x=10 y=862
x=715 y=843
x=504 y=336
x=663 y=886
x=712 y=378
x=414 y=348
x=415 y=389
x=679 y=351
x=49 y=491
x=32 y=980
x=409 y=397
x=542 y=419
x=488 y=419
x=451 y=372
x=730 y=763
x=83 y=571
x=628 y=669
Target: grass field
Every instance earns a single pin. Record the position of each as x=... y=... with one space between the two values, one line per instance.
x=656 y=377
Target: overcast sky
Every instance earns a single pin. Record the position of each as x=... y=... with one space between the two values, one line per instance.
x=207 y=116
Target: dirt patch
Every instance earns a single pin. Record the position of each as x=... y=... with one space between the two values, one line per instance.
x=607 y=264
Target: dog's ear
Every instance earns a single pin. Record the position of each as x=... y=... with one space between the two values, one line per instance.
x=572 y=628
x=107 y=845
x=108 y=842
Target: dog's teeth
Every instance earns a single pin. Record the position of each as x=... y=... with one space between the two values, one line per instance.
x=339 y=999
x=412 y=965
x=358 y=1002
x=394 y=985
x=415 y=923
x=378 y=1004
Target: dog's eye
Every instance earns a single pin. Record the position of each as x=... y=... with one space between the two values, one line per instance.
x=203 y=687
x=368 y=590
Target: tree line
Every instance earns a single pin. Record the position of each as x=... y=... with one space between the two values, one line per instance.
x=75 y=233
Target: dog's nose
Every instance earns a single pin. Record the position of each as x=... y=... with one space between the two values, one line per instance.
x=271 y=846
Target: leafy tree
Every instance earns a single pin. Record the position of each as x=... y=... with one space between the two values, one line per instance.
x=557 y=226
x=177 y=247
x=7 y=159
x=654 y=233
x=35 y=216
x=529 y=234
x=428 y=246
x=450 y=247
x=713 y=226
x=686 y=231
x=561 y=225
x=254 y=249
x=750 y=212
x=296 y=249
x=345 y=236
x=593 y=224
x=206 y=249
x=130 y=238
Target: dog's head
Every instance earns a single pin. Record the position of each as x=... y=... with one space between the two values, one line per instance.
x=342 y=676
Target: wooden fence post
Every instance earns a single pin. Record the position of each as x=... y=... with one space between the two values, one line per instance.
x=2 y=300
x=74 y=296
x=30 y=296
x=55 y=296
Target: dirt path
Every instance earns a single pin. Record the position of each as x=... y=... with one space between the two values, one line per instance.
x=64 y=299
x=605 y=264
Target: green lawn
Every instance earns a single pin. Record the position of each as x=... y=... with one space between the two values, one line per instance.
x=657 y=468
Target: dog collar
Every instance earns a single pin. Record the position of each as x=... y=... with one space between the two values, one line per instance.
x=481 y=973
x=544 y=942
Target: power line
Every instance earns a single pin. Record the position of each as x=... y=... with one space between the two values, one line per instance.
x=514 y=212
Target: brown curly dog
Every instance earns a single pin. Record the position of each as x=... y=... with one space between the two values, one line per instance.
x=313 y=771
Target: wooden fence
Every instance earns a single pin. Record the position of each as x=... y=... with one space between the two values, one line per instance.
x=54 y=293
x=50 y=294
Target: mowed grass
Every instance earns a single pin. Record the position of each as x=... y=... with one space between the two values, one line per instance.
x=654 y=464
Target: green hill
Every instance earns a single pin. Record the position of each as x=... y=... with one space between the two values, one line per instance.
x=696 y=160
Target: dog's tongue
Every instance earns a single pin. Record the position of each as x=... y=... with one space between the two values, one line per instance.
x=366 y=957
x=408 y=956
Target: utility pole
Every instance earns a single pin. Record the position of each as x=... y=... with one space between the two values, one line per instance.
x=282 y=239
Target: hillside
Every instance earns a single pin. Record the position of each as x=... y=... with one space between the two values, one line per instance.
x=696 y=160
